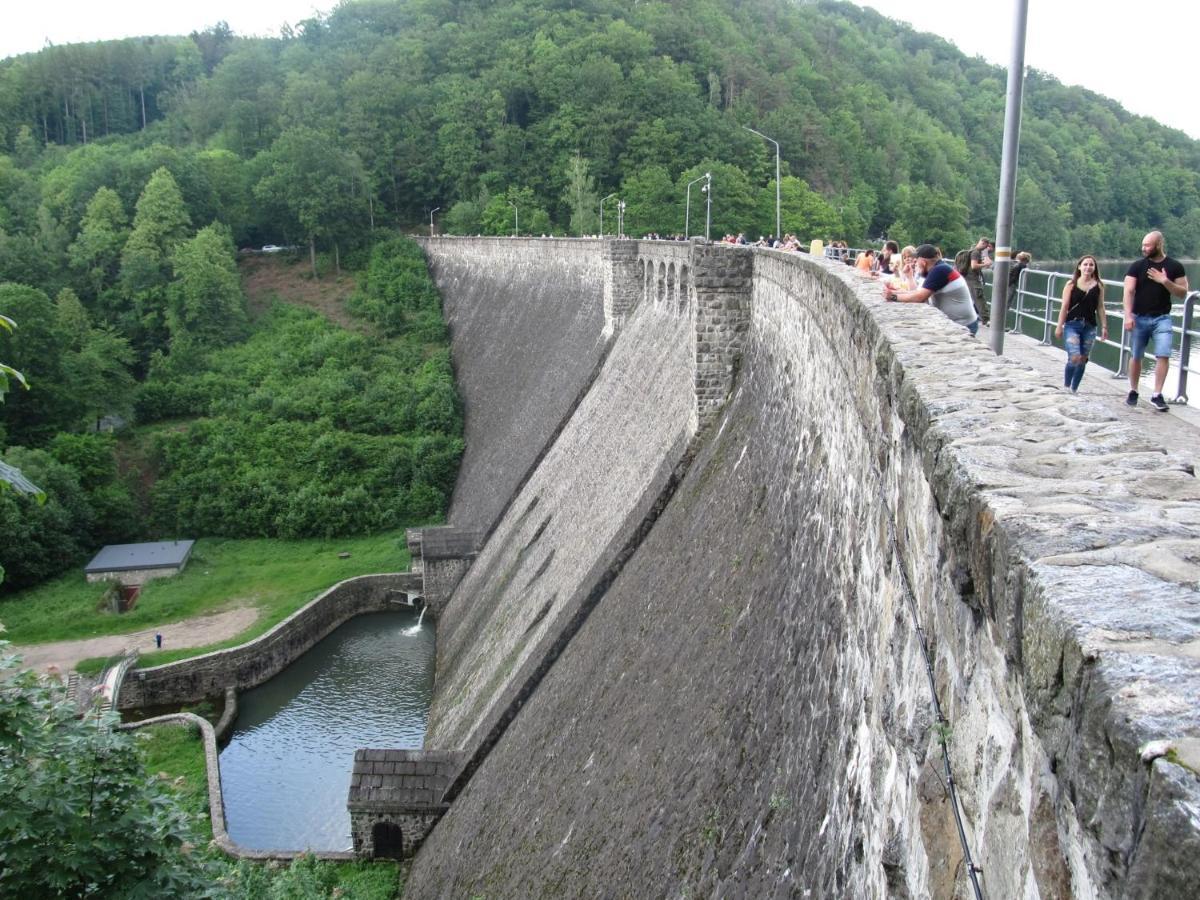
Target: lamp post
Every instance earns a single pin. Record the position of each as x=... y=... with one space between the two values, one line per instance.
x=516 y=218
x=620 y=218
x=1008 y=177
x=602 y=202
x=687 y=214
x=431 y=212
x=778 y=217
x=707 y=204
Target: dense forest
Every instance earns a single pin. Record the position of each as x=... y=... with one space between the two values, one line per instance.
x=130 y=171
x=384 y=110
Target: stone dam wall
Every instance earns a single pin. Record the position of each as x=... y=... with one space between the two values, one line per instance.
x=688 y=661
x=527 y=338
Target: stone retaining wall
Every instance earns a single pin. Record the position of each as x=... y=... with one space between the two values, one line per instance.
x=252 y=663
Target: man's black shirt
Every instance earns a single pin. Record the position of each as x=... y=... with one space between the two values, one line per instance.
x=1149 y=297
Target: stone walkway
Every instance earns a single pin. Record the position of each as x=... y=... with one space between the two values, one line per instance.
x=1178 y=427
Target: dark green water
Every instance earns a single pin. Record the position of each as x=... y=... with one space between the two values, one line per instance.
x=286 y=770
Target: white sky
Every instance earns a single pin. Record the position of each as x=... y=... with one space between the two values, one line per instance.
x=1139 y=56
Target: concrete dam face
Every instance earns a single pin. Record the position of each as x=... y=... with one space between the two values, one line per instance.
x=788 y=592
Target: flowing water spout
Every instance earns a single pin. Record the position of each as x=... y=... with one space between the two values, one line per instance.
x=415 y=628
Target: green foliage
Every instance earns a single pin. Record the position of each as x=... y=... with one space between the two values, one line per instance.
x=306 y=878
x=79 y=787
x=581 y=197
x=205 y=304
x=397 y=293
x=307 y=430
x=96 y=251
x=161 y=223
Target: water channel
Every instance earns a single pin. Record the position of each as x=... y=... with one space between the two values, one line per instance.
x=286 y=770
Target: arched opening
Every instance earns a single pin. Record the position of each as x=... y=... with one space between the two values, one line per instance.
x=387 y=840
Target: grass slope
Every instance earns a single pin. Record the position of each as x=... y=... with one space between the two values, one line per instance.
x=275 y=576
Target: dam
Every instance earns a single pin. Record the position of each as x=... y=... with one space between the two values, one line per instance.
x=790 y=592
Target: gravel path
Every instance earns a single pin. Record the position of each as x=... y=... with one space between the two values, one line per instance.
x=197 y=632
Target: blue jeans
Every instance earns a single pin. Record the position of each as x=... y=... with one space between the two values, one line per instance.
x=1078 y=337
x=1147 y=327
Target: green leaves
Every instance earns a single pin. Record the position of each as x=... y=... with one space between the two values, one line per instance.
x=78 y=786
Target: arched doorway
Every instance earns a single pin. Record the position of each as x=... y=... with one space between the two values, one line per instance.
x=387 y=840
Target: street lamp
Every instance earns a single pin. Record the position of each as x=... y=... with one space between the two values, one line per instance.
x=431 y=212
x=620 y=218
x=1008 y=177
x=516 y=218
x=707 y=204
x=778 y=219
x=609 y=197
x=687 y=214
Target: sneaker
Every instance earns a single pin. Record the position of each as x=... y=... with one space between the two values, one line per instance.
x=1131 y=400
x=1159 y=403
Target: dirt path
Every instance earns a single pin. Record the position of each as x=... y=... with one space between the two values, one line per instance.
x=197 y=632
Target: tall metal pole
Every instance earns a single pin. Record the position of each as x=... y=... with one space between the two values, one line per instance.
x=431 y=212
x=609 y=197
x=620 y=218
x=707 y=205
x=687 y=210
x=516 y=218
x=778 y=216
x=1008 y=176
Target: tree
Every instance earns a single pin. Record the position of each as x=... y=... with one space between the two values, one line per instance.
x=80 y=787
x=580 y=196
x=805 y=213
x=927 y=215
x=312 y=182
x=161 y=223
x=652 y=203
x=205 y=304
x=96 y=251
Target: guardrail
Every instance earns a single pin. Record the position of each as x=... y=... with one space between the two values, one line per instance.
x=1031 y=309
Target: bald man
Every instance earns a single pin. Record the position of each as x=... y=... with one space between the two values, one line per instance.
x=1152 y=284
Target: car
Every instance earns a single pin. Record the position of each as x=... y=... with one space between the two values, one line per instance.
x=272 y=248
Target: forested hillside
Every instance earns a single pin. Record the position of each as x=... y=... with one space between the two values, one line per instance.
x=386 y=109
x=131 y=170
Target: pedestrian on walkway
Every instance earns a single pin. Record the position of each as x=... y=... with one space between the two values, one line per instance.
x=1151 y=285
x=1081 y=314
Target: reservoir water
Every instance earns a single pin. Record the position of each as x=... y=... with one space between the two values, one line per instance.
x=286 y=770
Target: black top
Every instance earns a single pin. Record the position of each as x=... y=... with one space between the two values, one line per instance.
x=1083 y=305
x=1149 y=297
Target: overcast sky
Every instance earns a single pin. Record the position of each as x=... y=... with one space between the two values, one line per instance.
x=1138 y=55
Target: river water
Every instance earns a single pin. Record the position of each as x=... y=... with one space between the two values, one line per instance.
x=286 y=770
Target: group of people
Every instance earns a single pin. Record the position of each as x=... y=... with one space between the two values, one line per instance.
x=1152 y=284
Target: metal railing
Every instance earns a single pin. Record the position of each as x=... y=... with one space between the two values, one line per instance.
x=1029 y=309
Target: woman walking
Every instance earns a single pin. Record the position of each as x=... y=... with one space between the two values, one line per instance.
x=1081 y=314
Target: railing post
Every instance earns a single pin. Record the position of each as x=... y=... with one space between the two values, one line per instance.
x=1046 y=312
x=1185 y=346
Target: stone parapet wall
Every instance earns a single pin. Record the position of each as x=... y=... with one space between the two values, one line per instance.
x=252 y=663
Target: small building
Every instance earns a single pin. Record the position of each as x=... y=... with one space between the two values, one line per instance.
x=131 y=564
x=396 y=797
x=442 y=556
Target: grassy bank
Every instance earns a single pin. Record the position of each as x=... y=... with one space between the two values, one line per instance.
x=274 y=576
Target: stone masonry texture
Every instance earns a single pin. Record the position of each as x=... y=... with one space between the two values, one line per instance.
x=745 y=711
x=524 y=342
